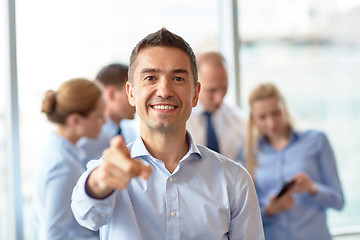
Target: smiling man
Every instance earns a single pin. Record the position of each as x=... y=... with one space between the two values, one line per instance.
x=164 y=186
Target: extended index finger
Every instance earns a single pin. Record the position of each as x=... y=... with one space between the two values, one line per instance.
x=119 y=143
x=119 y=155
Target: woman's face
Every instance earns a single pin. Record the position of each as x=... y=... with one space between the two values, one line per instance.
x=269 y=116
x=90 y=126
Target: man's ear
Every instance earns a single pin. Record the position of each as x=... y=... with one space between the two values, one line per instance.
x=196 y=94
x=130 y=93
x=109 y=92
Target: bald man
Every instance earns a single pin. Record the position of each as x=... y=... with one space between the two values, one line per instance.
x=213 y=123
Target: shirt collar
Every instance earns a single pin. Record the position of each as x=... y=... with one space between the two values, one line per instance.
x=111 y=126
x=139 y=150
x=198 y=110
x=76 y=151
x=294 y=136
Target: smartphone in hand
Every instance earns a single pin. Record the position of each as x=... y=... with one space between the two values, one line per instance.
x=285 y=188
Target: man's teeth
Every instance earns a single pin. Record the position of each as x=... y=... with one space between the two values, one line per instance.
x=163 y=107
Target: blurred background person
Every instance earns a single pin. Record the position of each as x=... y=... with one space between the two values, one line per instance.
x=213 y=123
x=277 y=153
x=118 y=112
x=77 y=109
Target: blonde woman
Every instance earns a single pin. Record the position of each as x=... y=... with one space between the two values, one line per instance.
x=77 y=110
x=277 y=153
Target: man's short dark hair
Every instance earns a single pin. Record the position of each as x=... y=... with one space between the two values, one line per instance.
x=115 y=74
x=163 y=38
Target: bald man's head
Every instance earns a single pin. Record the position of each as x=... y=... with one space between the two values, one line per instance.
x=213 y=78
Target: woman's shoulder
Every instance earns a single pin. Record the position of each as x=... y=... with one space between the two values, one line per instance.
x=315 y=133
x=57 y=153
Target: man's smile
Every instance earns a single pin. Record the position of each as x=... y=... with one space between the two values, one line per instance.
x=163 y=107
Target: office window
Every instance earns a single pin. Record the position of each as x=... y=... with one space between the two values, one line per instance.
x=311 y=51
x=4 y=162
x=4 y=178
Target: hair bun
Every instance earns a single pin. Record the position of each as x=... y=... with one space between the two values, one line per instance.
x=49 y=102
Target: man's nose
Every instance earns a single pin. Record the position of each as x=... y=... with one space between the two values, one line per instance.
x=164 y=88
x=218 y=97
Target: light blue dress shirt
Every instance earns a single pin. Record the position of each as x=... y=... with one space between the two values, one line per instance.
x=55 y=175
x=208 y=196
x=308 y=152
x=95 y=147
x=229 y=124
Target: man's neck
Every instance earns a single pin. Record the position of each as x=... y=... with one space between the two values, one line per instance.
x=113 y=117
x=168 y=146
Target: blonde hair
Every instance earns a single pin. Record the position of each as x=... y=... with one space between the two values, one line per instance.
x=77 y=95
x=263 y=91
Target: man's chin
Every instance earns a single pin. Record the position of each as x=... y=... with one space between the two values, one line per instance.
x=163 y=126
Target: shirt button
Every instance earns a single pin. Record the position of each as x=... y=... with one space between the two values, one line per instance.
x=172 y=213
x=171 y=179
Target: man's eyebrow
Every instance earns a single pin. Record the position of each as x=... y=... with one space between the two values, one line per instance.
x=155 y=70
x=149 y=70
x=180 y=71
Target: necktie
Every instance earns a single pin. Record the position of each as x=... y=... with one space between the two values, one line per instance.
x=212 y=142
x=119 y=131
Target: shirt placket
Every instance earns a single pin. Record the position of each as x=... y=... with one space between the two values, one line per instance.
x=172 y=209
x=283 y=174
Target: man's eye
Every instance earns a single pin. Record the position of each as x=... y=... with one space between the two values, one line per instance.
x=212 y=91
x=150 y=78
x=178 y=79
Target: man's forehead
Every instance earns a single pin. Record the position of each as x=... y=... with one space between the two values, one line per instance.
x=158 y=57
x=168 y=50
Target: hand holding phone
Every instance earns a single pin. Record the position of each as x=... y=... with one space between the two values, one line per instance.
x=286 y=187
